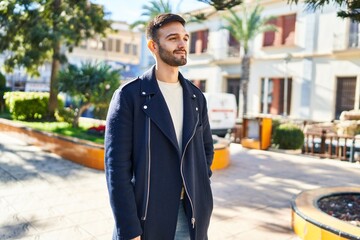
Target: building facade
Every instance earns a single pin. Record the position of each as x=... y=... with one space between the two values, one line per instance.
x=308 y=69
x=121 y=49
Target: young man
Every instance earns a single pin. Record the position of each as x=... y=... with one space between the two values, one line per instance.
x=158 y=146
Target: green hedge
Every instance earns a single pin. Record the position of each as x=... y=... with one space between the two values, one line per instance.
x=27 y=106
x=288 y=136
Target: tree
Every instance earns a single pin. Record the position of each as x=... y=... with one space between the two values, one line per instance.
x=90 y=84
x=150 y=11
x=244 y=29
x=34 y=32
x=352 y=12
x=3 y=89
x=222 y=4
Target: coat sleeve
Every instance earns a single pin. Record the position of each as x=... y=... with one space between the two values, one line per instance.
x=119 y=166
x=208 y=140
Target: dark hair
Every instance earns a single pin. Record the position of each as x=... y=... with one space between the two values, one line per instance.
x=159 y=21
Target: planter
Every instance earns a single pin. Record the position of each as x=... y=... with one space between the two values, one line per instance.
x=309 y=222
x=87 y=153
x=83 y=152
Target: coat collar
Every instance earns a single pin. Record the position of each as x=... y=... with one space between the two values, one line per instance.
x=155 y=107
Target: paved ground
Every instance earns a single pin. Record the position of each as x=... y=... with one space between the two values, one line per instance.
x=45 y=197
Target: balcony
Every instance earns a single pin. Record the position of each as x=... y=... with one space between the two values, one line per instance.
x=349 y=43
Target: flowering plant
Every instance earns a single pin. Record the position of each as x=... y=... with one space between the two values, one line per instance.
x=98 y=130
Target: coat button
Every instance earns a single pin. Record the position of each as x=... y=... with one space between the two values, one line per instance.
x=143 y=93
x=196 y=109
x=145 y=107
x=193 y=96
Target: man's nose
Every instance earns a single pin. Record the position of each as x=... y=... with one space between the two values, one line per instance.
x=182 y=44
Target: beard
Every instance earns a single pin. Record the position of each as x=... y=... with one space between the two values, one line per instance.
x=170 y=57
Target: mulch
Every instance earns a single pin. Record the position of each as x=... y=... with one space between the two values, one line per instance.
x=345 y=207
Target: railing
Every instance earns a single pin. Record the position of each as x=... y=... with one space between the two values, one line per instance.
x=330 y=145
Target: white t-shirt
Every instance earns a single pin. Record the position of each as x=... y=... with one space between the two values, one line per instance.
x=173 y=94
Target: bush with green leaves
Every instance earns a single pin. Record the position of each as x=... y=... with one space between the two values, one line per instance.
x=65 y=115
x=27 y=106
x=288 y=136
x=90 y=84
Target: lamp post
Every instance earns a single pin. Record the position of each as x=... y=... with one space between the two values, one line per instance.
x=287 y=60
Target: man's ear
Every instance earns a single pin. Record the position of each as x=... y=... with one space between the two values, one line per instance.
x=152 y=45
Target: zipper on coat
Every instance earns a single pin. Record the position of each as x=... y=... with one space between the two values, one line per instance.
x=182 y=174
x=147 y=183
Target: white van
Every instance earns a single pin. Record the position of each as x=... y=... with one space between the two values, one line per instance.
x=222 y=111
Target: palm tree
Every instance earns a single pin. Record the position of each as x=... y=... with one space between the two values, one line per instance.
x=151 y=10
x=244 y=29
x=222 y=4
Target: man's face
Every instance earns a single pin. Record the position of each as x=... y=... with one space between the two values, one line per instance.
x=173 y=44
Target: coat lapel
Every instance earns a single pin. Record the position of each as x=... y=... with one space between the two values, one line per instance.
x=156 y=108
x=191 y=111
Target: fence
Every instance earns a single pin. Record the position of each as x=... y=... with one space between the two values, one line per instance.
x=329 y=145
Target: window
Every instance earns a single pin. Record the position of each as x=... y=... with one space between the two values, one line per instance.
x=234 y=46
x=354 y=34
x=134 y=50
x=199 y=41
x=285 y=31
x=233 y=86
x=118 y=45
x=103 y=45
x=127 y=48
x=272 y=96
x=201 y=84
x=345 y=95
x=110 y=44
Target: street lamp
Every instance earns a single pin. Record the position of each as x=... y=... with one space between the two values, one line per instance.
x=286 y=60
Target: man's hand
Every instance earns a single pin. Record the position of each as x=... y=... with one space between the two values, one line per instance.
x=137 y=238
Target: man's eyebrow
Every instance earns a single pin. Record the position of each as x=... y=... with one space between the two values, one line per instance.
x=176 y=34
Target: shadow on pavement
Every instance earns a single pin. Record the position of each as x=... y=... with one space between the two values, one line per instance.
x=22 y=162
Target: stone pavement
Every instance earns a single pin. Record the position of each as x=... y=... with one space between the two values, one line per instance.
x=45 y=197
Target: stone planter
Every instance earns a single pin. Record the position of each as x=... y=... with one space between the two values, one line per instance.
x=83 y=152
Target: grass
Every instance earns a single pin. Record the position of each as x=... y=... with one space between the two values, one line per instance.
x=63 y=128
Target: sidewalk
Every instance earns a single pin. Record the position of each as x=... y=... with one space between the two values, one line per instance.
x=45 y=197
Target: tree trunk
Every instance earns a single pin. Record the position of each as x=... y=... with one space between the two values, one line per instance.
x=245 y=73
x=82 y=109
x=55 y=65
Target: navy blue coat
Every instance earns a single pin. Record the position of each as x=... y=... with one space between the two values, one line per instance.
x=145 y=169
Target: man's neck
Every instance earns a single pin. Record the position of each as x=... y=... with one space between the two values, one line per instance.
x=166 y=73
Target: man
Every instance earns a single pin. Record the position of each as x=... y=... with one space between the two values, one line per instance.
x=158 y=146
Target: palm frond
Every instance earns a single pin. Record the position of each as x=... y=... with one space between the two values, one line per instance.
x=247 y=26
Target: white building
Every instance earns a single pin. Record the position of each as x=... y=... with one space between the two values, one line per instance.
x=121 y=49
x=316 y=54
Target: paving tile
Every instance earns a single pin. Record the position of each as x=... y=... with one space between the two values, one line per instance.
x=43 y=196
x=73 y=232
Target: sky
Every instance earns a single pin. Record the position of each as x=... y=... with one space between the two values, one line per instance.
x=131 y=10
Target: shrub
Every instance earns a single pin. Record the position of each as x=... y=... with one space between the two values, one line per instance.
x=275 y=124
x=27 y=106
x=100 y=112
x=65 y=115
x=288 y=136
